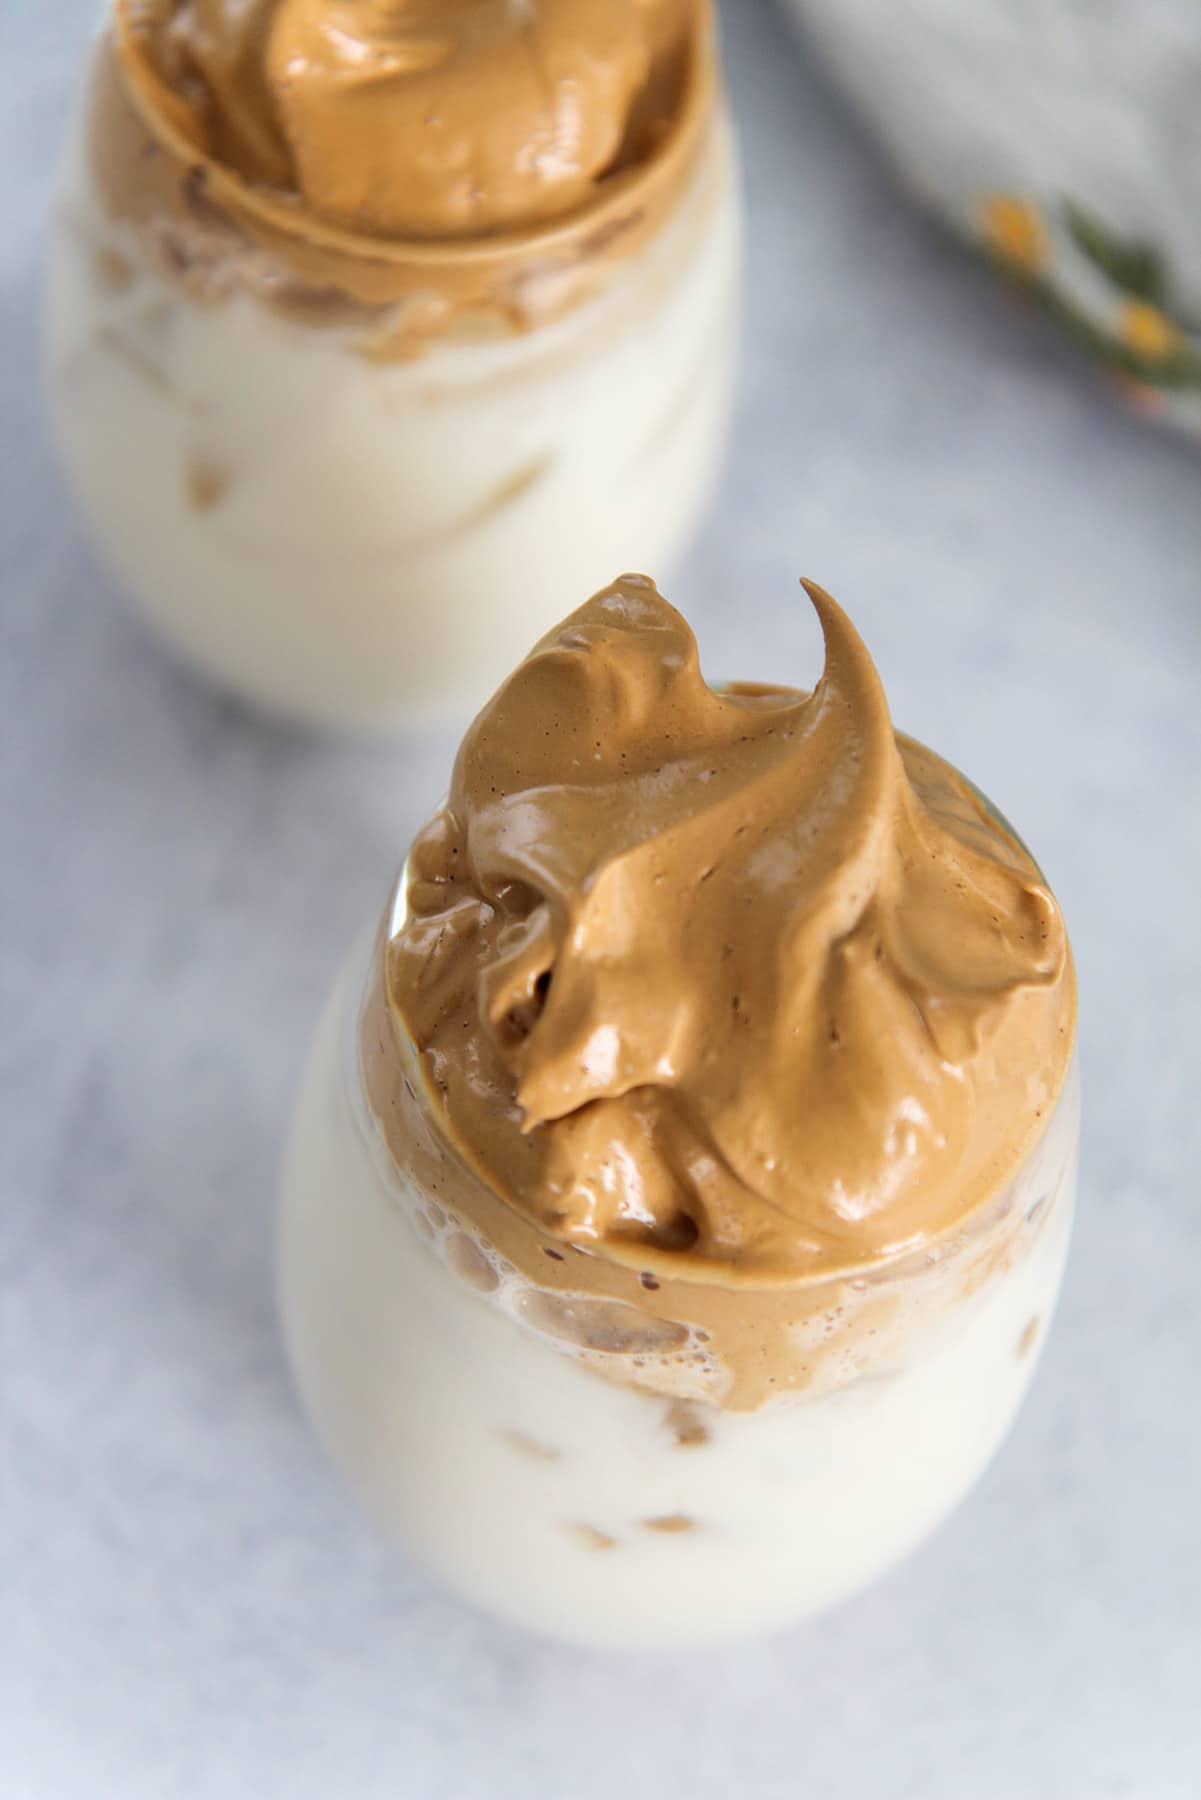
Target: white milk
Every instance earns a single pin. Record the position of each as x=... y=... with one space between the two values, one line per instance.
x=592 y=1510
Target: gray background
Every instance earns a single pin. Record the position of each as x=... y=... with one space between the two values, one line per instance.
x=190 y=1605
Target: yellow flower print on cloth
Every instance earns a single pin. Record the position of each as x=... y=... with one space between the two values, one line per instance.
x=1012 y=228
x=1112 y=294
x=1146 y=332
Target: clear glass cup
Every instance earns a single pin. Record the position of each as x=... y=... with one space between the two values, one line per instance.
x=565 y=1460
x=358 y=504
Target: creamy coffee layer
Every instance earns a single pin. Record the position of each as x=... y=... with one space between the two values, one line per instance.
x=734 y=978
x=454 y=157
x=721 y=1009
x=431 y=117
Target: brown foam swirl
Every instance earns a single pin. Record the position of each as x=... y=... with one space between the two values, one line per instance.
x=424 y=118
x=451 y=116
x=731 y=987
x=247 y=159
